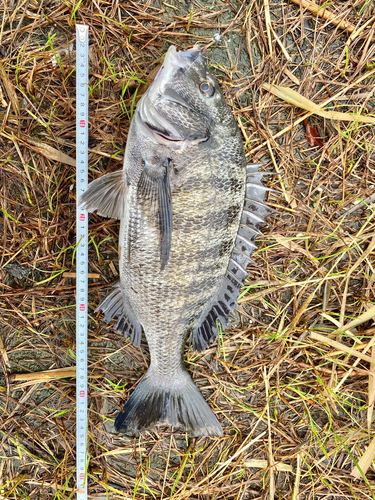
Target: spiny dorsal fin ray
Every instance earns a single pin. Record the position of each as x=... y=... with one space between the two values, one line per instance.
x=258 y=208
x=154 y=194
x=225 y=299
x=107 y=195
x=116 y=304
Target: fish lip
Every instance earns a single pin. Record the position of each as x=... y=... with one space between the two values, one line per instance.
x=183 y=58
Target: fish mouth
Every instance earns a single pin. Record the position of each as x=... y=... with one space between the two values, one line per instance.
x=182 y=58
x=150 y=117
x=160 y=128
x=175 y=59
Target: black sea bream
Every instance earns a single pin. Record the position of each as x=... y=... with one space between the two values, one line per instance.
x=189 y=210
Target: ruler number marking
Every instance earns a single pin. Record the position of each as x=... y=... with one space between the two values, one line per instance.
x=82 y=237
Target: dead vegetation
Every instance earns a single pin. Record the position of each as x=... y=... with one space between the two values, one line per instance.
x=293 y=381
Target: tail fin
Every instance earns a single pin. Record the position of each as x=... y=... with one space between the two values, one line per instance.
x=178 y=404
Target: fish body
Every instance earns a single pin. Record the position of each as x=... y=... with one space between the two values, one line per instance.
x=186 y=235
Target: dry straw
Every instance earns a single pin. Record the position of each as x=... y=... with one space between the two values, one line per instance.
x=292 y=380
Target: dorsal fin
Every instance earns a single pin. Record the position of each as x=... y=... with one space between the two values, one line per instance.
x=225 y=299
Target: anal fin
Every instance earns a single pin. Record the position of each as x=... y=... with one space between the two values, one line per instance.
x=116 y=304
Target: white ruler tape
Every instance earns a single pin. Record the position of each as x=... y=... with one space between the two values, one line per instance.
x=82 y=146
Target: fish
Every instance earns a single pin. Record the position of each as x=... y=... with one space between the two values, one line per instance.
x=190 y=209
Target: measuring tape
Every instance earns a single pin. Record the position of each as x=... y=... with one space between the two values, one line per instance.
x=82 y=145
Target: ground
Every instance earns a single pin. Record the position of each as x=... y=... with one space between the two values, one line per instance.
x=294 y=401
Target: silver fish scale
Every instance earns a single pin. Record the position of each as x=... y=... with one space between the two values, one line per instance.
x=168 y=303
x=190 y=209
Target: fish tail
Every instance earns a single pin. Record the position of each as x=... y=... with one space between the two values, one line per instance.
x=178 y=404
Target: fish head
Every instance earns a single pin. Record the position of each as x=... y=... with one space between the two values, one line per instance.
x=182 y=106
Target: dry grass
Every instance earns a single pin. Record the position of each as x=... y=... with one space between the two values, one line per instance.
x=293 y=381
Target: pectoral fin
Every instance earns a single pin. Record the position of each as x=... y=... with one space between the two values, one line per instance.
x=106 y=195
x=155 y=198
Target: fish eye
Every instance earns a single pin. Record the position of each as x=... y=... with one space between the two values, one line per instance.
x=207 y=89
